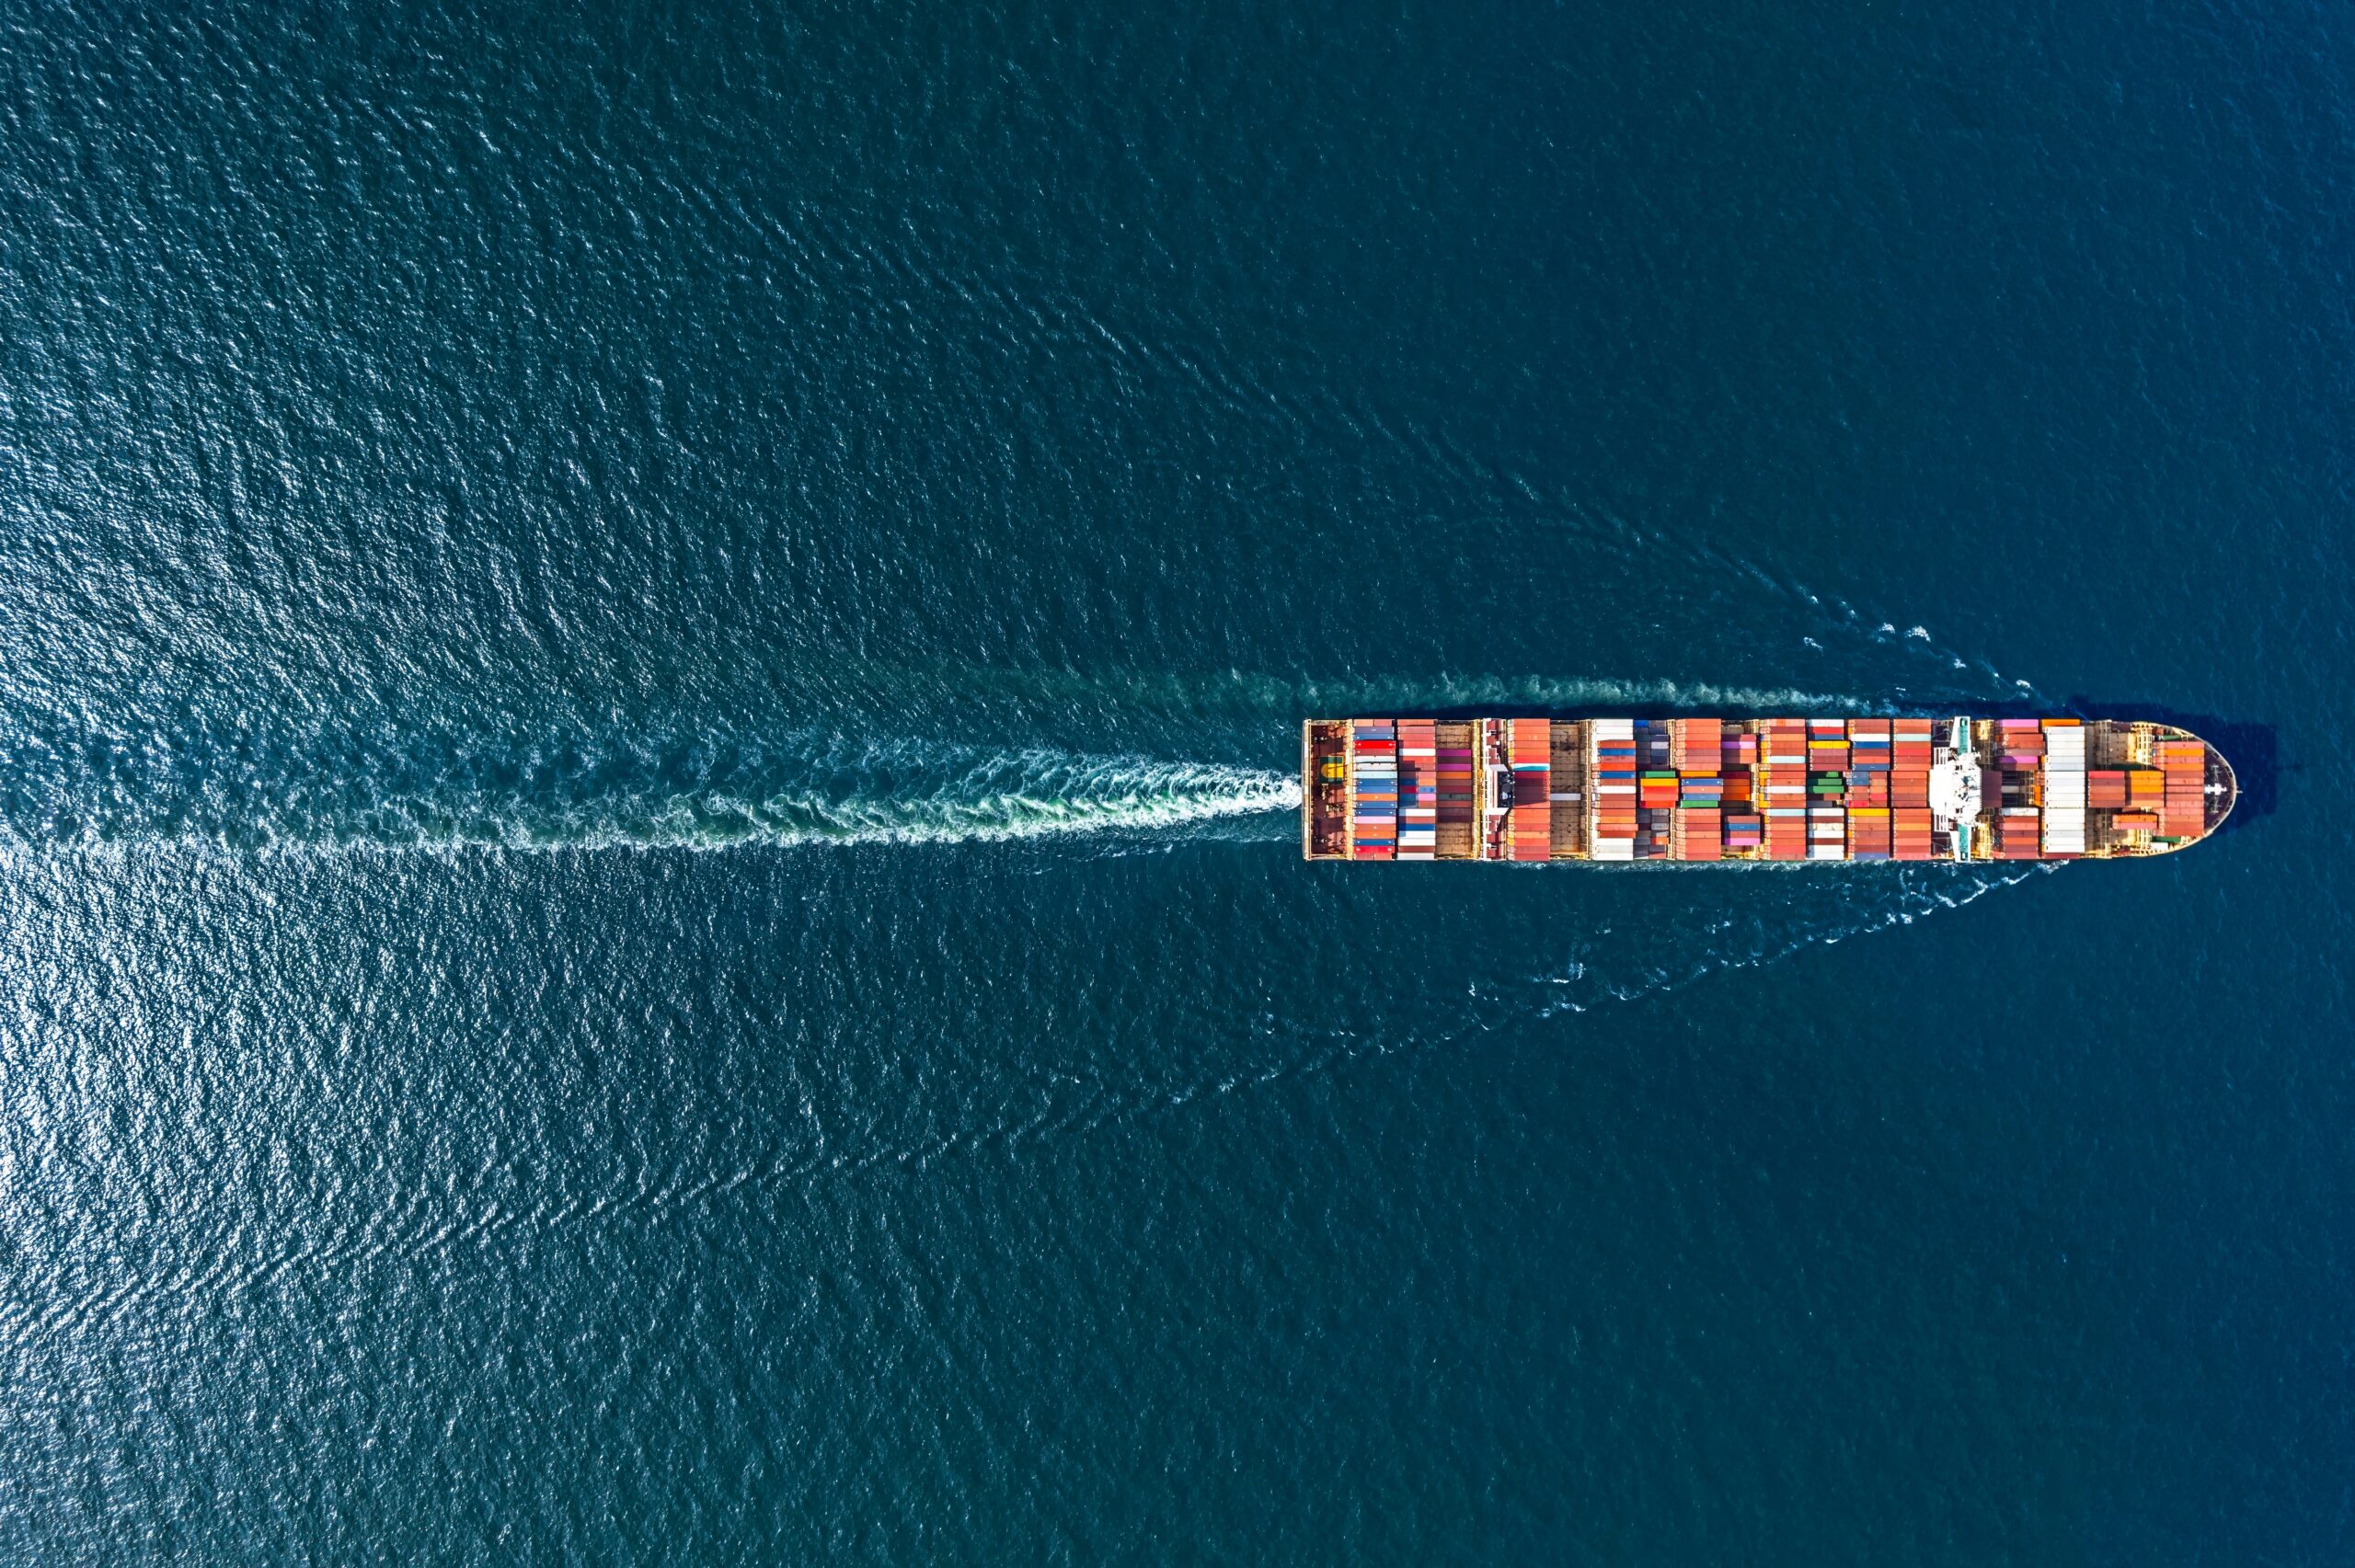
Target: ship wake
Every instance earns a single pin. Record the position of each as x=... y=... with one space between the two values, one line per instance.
x=426 y=793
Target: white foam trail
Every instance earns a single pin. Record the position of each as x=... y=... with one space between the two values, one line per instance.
x=804 y=792
x=1067 y=797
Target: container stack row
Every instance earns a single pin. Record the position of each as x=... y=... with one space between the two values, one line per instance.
x=2019 y=745
x=1373 y=804
x=1531 y=819
x=1696 y=749
x=1656 y=790
x=2019 y=833
x=1910 y=753
x=1782 y=779
x=1418 y=789
x=2133 y=797
x=1613 y=788
x=2064 y=789
x=1738 y=760
x=1827 y=789
x=1870 y=761
x=2183 y=807
x=2015 y=806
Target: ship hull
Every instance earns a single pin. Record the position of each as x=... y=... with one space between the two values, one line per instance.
x=1711 y=791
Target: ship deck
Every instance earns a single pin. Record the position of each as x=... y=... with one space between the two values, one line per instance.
x=1710 y=790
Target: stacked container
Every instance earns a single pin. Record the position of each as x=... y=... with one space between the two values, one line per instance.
x=1909 y=833
x=1782 y=776
x=1373 y=771
x=1910 y=753
x=2106 y=789
x=1744 y=831
x=1699 y=790
x=1700 y=833
x=2183 y=808
x=1693 y=745
x=2064 y=788
x=1532 y=821
x=2019 y=833
x=2019 y=745
x=2019 y=765
x=1418 y=789
x=1614 y=788
x=1696 y=747
x=1869 y=761
x=1827 y=746
x=1871 y=757
x=1827 y=770
x=1827 y=832
x=1656 y=790
x=1868 y=832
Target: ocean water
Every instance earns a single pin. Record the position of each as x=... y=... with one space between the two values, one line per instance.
x=649 y=669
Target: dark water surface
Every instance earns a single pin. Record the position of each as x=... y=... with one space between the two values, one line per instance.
x=648 y=669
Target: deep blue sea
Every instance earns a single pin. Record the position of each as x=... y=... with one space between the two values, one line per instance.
x=650 y=659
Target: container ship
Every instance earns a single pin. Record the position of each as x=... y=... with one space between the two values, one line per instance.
x=1779 y=789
